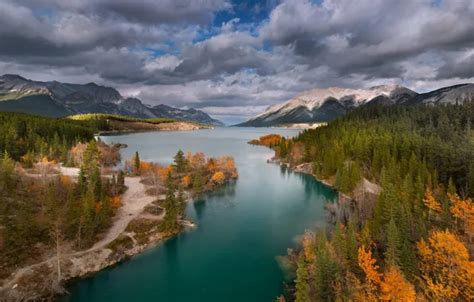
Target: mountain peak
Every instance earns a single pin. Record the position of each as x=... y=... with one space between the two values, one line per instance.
x=12 y=77
x=33 y=96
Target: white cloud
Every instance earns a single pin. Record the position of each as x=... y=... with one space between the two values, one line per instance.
x=237 y=68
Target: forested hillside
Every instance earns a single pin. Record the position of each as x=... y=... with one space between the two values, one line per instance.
x=415 y=240
x=22 y=134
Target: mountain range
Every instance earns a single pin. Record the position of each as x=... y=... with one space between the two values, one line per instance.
x=323 y=105
x=56 y=99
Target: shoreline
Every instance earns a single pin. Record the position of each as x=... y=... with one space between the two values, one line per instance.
x=302 y=168
x=140 y=232
x=145 y=130
x=363 y=192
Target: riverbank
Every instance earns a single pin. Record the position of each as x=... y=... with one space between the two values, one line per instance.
x=37 y=281
x=364 y=195
x=135 y=228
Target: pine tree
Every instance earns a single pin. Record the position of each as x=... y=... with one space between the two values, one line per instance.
x=339 y=241
x=181 y=203
x=302 y=281
x=198 y=182
x=325 y=268
x=392 y=250
x=180 y=162
x=136 y=163
x=121 y=181
x=170 y=222
x=352 y=245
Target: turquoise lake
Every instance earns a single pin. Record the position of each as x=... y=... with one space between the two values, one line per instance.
x=241 y=229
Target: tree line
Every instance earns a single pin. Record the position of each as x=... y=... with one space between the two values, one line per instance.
x=415 y=241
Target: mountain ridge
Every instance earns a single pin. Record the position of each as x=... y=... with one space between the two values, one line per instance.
x=57 y=99
x=326 y=104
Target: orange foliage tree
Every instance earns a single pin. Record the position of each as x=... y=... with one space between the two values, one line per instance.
x=391 y=286
x=372 y=277
x=186 y=181
x=431 y=203
x=447 y=274
x=218 y=177
x=116 y=201
x=267 y=140
x=463 y=212
x=395 y=287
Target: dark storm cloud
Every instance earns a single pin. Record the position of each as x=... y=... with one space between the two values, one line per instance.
x=369 y=33
x=457 y=68
x=171 y=51
x=164 y=11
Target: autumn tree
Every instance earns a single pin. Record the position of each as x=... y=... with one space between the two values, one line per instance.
x=463 y=211
x=447 y=274
x=431 y=203
x=372 y=277
x=218 y=177
x=395 y=287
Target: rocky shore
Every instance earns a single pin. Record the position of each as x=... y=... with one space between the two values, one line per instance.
x=135 y=229
x=364 y=194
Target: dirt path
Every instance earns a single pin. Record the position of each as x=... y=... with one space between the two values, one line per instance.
x=134 y=201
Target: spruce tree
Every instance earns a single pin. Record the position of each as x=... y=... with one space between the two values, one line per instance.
x=392 y=250
x=301 y=282
x=121 y=181
x=180 y=162
x=170 y=221
x=352 y=245
x=136 y=163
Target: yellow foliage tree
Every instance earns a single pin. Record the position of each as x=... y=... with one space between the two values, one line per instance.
x=372 y=276
x=463 y=212
x=394 y=287
x=145 y=166
x=431 y=203
x=447 y=274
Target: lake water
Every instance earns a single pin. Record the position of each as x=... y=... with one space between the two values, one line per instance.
x=241 y=229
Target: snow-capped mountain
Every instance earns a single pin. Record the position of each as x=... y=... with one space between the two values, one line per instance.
x=322 y=105
x=60 y=99
x=447 y=95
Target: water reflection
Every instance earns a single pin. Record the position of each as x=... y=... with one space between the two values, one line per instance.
x=199 y=205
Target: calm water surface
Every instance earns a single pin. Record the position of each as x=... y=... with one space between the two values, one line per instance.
x=241 y=229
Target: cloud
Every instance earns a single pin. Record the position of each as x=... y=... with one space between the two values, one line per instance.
x=206 y=54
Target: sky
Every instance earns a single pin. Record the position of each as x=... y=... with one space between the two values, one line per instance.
x=233 y=59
